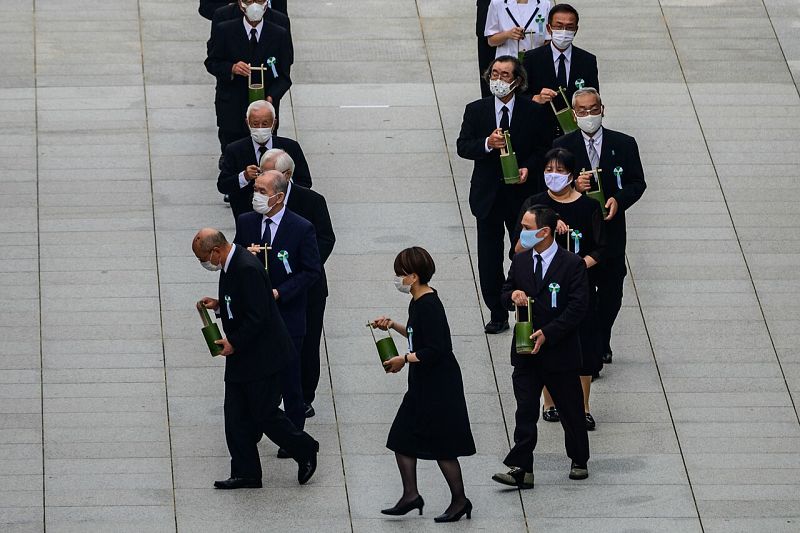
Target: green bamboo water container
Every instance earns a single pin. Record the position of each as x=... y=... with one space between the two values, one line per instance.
x=255 y=91
x=210 y=330
x=386 y=347
x=595 y=192
x=508 y=162
x=523 y=331
x=565 y=117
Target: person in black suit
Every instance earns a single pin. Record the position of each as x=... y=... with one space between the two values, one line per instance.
x=493 y=203
x=311 y=206
x=486 y=52
x=233 y=47
x=561 y=64
x=208 y=8
x=622 y=177
x=242 y=157
x=556 y=280
x=234 y=10
x=293 y=265
x=256 y=348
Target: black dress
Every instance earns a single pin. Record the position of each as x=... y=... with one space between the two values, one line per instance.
x=585 y=216
x=432 y=422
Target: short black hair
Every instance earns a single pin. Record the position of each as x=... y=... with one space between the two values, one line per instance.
x=519 y=72
x=562 y=8
x=563 y=156
x=415 y=260
x=546 y=217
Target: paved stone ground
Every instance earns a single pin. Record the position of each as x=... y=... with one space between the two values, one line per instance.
x=111 y=412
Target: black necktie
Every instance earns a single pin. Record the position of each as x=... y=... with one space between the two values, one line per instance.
x=504 y=122
x=537 y=272
x=561 y=74
x=266 y=237
x=262 y=149
x=253 y=44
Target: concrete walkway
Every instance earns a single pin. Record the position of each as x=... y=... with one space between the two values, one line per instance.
x=111 y=411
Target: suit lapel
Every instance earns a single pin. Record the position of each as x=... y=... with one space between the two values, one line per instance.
x=555 y=265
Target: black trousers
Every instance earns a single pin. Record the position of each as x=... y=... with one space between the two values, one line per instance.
x=309 y=357
x=486 y=55
x=610 y=280
x=251 y=408
x=291 y=387
x=491 y=239
x=565 y=388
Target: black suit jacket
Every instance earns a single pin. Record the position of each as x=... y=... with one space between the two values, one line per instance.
x=208 y=7
x=295 y=236
x=618 y=150
x=239 y=155
x=312 y=206
x=480 y=17
x=231 y=11
x=229 y=44
x=253 y=326
x=527 y=140
x=561 y=351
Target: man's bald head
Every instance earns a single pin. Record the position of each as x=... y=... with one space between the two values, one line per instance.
x=207 y=239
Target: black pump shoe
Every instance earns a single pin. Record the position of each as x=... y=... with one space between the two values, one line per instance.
x=455 y=517
x=399 y=510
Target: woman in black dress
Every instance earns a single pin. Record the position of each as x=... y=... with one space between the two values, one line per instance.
x=432 y=422
x=580 y=229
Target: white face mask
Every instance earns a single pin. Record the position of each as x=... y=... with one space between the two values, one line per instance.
x=261 y=203
x=261 y=135
x=211 y=267
x=500 y=88
x=563 y=38
x=398 y=284
x=590 y=123
x=556 y=182
x=255 y=12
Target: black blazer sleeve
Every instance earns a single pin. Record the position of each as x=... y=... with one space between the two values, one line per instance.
x=577 y=303
x=508 y=288
x=324 y=229
x=633 y=185
x=302 y=174
x=471 y=143
x=600 y=235
x=255 y=289
x=217 y=64
x=283 y=64
x=207 y=7
x=228 y=179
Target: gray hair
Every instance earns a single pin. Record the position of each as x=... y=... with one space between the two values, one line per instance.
x=586 y=90
x=278 y=181
x=260 y=104
x=283 y=161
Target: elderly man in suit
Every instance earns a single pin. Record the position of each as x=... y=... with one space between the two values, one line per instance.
x=242 y=157
x=556 y=280
x=234 y=46
x=495 y=204
x=208 y=8
x=256 y=348
x=312 y=206
x=622 y=179
x=559 y=64
x=293 y=265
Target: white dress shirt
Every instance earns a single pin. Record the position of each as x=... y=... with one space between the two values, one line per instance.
x=497 y=20
x=547 y=257
x=248 y=27
x=567 y=58
x=242 y=179
x=598 y=141
x=275 y=222
x=498 y=114
x=228 y=259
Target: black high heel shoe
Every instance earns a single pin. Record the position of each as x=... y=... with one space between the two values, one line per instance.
x=399 y=510
x=455 y=517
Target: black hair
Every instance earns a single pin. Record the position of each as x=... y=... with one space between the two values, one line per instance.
x=519 y=72
x=546 y=217
x=562 y=8
x=415 y=260
x=563 y=156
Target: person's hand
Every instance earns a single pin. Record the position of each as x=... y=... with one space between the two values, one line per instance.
x=611 y=207
x=523 y=176
x=251 y=172
x=269 y=99
x=590 y=261
x=561 y=227
x=275 y=294
x=254 y=249
x=539 y=339
x=584 y=181
x=546 y=95
x=395 y=364
x=516 y=33
x=519 y=298
x=496 y=140
x=240 y=69
x=382 y=322
x=227 y=347
x=208 y=302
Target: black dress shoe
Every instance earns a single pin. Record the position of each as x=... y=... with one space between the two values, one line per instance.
x=550 y=414
x=306 y=469
x=226 y=199
x=590 y=423
x=577 y=471
x=310 y=411
x=607 y=357
x=455 y=517
x=496 y=326
x=516 y=477
x=238 y=483
x=400 y=510
x=283 y=454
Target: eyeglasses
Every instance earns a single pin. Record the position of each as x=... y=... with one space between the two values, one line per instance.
x=248 y=2
x=587 y=112
x=568 y=27
x=502 y=75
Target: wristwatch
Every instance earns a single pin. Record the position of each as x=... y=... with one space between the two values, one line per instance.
x=406 y=358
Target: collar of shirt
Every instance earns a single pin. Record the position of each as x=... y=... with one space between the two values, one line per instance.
x=547 y=256
x=498 y=108
x=228 y=259
x=276 y=220
x=597 y=137
x=557 y=53
x=248 y=27
x=256 y=146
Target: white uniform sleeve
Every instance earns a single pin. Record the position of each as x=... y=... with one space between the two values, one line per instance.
x=493 y=19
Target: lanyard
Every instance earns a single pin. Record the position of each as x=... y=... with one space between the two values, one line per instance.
x=514 y=20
